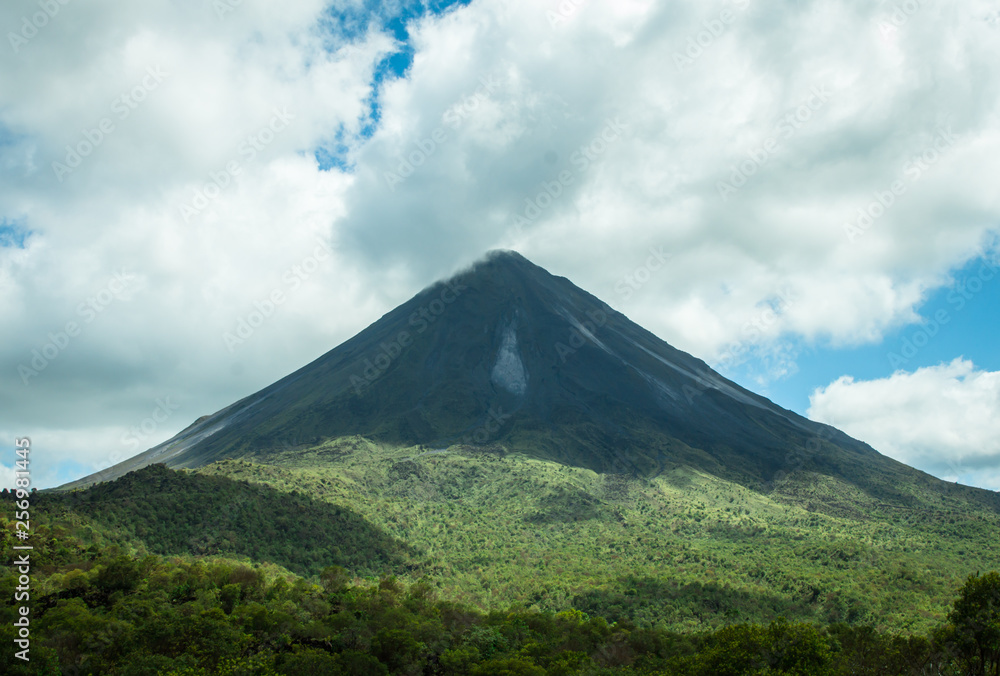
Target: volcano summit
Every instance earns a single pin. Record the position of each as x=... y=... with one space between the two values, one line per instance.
x=507 y=355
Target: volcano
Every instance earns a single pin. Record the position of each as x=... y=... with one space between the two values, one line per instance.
x=508 y=357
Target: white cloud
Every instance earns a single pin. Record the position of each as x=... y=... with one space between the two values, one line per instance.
x=7 y=476
x=207 y=85
x=880 y=105
x=552 y=90
x=943 y=419
x=989 y=479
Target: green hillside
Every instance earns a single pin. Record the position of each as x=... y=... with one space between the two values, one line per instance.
x=683 y=550
x=101 y=609
x=355 y=558
x=180 y=513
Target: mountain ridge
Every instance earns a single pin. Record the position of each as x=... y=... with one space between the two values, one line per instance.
x=505 y=352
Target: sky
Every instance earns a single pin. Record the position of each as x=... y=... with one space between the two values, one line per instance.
x=801 y=193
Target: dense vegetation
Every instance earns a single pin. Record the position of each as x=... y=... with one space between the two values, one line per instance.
x=359 y=558
x=100 y=610
x=174 y=513
x=684 y=550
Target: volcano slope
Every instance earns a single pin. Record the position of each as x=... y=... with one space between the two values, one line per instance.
x=507 y=422
x=508 y=353
x=683 y=549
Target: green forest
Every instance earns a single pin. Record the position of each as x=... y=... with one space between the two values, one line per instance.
x=358 y=558
x=101 y=610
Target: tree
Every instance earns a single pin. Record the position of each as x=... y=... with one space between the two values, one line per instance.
x=398 y=650
x=508 y=666
x=120 y=574
x=781 y=647
x=311 y=662
x=358 y=663
x=976 y=618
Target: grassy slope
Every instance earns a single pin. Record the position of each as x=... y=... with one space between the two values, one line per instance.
x=684 y=549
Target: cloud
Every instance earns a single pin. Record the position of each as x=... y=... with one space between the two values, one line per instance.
x=808 y=140
x=583 y=134
x=151 y=109
x=7 y=475
x=943 y=419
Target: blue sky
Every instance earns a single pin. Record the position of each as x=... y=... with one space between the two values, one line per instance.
x=971 y=317
x=12 y=235
x=817 y=179
x=393 y=19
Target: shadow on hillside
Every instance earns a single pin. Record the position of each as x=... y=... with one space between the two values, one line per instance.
x=180 y=513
